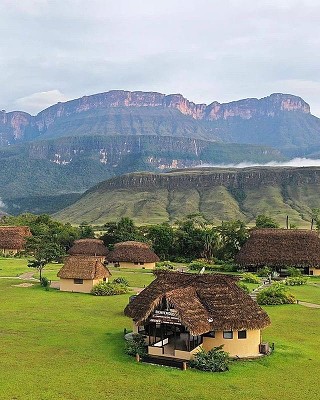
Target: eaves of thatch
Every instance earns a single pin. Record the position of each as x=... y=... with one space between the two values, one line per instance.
x=89 y=247
x=279 y=248
x=83 y=267
x=13 y=237
x=132 y=252
x=203 y=302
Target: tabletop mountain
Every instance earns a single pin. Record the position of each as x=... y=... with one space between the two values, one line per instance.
x=68 y=147
x=219 y=194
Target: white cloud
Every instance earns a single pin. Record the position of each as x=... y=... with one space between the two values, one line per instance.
x=38 y=101
x=2 y=204
x=295 y=162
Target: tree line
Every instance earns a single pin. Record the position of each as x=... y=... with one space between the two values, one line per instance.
x=188 y=239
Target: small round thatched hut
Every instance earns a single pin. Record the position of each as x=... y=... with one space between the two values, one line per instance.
x=280 y=248
x=89 y=247
x=179 y=313
x=80 y=273
x=133 y=255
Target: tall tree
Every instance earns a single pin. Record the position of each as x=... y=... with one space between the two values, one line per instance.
x=233 y=235
x=44 y=252
x=162 y=237
x=121 y=231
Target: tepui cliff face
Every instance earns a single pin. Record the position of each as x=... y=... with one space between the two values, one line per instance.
x=18 y=126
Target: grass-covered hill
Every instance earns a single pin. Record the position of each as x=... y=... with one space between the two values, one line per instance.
x=46 y=176
x=219 y=194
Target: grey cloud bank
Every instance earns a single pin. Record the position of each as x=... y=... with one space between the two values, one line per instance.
x=54 y=51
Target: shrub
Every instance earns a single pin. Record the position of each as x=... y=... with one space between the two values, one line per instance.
x=214 y=360
x=164 y=265
x=136 y=345
x=250 y=278
x=296 y=280
x=275 y=294
x=121 y=280
x=292 y=271
x=197 y=265
x=44 y=282
x=263 y=272
x=109 y=289
x=243 y=286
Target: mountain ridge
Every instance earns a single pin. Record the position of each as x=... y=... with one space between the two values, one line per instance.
x=217 y=193
x=18 y=126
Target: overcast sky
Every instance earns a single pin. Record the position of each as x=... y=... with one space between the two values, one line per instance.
x=54 y=50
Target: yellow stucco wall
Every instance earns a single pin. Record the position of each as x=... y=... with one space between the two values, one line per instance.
x=68 y=285
x=248 y=347
x=123 y=264
x=316 y=271
x=9 y=251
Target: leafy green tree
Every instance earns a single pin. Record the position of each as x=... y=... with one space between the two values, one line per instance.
x=162 y=237
x=263 y=221
x=233 y=235
x=44 y=252
x=86 y=231
x=121 y=231
x=211 y=244
x=190 y=238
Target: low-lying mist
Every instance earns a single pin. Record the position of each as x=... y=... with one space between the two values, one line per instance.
x=295 y=162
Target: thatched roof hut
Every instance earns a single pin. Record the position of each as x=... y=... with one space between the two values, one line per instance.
x=133 y=252
x=203 y=302
x=89 y=247
x=83 y=267
x=280 y=247
x=13 y=237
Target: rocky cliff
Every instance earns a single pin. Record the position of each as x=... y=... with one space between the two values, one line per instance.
x=18 y=126
x=218 y=194
x=243 y=178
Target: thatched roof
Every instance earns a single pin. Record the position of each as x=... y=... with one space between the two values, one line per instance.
x=203 y=302
x=13 y=237
x=280 y=247
x=89 y=247
x=132 y=252
x=83 y=267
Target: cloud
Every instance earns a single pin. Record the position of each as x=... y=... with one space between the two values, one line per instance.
x=295 y=162
x=38 y=101
x=237 y=50
x=2 y=204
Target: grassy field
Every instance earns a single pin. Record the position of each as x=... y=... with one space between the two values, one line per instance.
x=57 y=345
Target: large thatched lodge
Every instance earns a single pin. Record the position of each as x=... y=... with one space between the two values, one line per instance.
x=133 y=255
x=280 y=248
x=84 y=267
x=179 y=312
x=13 y=239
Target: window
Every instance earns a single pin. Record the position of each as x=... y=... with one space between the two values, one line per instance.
x=211 y=334
x=242 y=334
x=227 y=334
x=136 y=263
x=78 y=281
x=142 y=263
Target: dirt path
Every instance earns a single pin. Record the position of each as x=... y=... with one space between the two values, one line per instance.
x=306 y=304
x=28 y=276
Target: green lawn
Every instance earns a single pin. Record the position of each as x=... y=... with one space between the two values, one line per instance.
x=57 y=345
x=13 y=266
x=309 y=292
